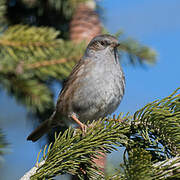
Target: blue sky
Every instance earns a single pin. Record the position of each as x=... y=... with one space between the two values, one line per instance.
x=154 y=23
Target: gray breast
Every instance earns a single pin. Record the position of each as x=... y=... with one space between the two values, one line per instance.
x=101 y=91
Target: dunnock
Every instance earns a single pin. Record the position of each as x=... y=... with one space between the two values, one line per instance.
x=93 y=90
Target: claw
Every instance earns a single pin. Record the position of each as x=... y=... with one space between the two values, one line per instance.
x=82 y=126
x=84 y=129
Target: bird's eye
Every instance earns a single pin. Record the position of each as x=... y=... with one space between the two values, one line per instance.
x=105 y=43
x=102 y=43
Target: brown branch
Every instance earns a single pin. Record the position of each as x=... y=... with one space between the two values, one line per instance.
x=45 y=63
x=170 y=171
x=32 y=171
x=21 y=67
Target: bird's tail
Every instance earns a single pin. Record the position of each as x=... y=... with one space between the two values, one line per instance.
x=40 y=131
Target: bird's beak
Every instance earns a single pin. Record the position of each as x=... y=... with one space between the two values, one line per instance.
x=114 y=45
x=116 y=54
x=118 y=44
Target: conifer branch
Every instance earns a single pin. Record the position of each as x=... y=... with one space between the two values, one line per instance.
x=137 y=52
x=25 y=44
x=162 y=119
x=32 y=171
x=168 y=168
x=139 y=166
x=26 y=91
x=3 y=145
x=3 y=8
x=72 y=151
x=29 y=34
x=46 y=63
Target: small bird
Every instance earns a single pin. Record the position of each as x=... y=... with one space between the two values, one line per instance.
x=93 y=90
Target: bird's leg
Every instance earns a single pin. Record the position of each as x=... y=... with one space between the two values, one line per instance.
x=82 y=126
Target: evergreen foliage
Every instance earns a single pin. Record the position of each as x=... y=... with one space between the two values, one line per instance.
x=35 y=51
x=150 y=136
x=137 y=52
x=2 y=11
x=32 y=56
x=3 y=145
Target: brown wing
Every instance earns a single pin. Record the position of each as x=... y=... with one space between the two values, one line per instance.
x=71 y=85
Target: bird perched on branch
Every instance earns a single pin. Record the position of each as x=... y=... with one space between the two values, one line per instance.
x=93 y=90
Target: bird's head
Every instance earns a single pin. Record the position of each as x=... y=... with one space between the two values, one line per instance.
x=102 y=44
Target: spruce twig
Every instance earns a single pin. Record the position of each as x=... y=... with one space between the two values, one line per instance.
x=70 y=151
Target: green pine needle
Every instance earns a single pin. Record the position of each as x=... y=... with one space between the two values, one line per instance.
x=71 y=150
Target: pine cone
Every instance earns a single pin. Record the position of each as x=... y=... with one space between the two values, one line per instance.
x=85 y=24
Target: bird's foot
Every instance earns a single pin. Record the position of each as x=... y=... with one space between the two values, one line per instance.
x=82 y=126
x=84 y=129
